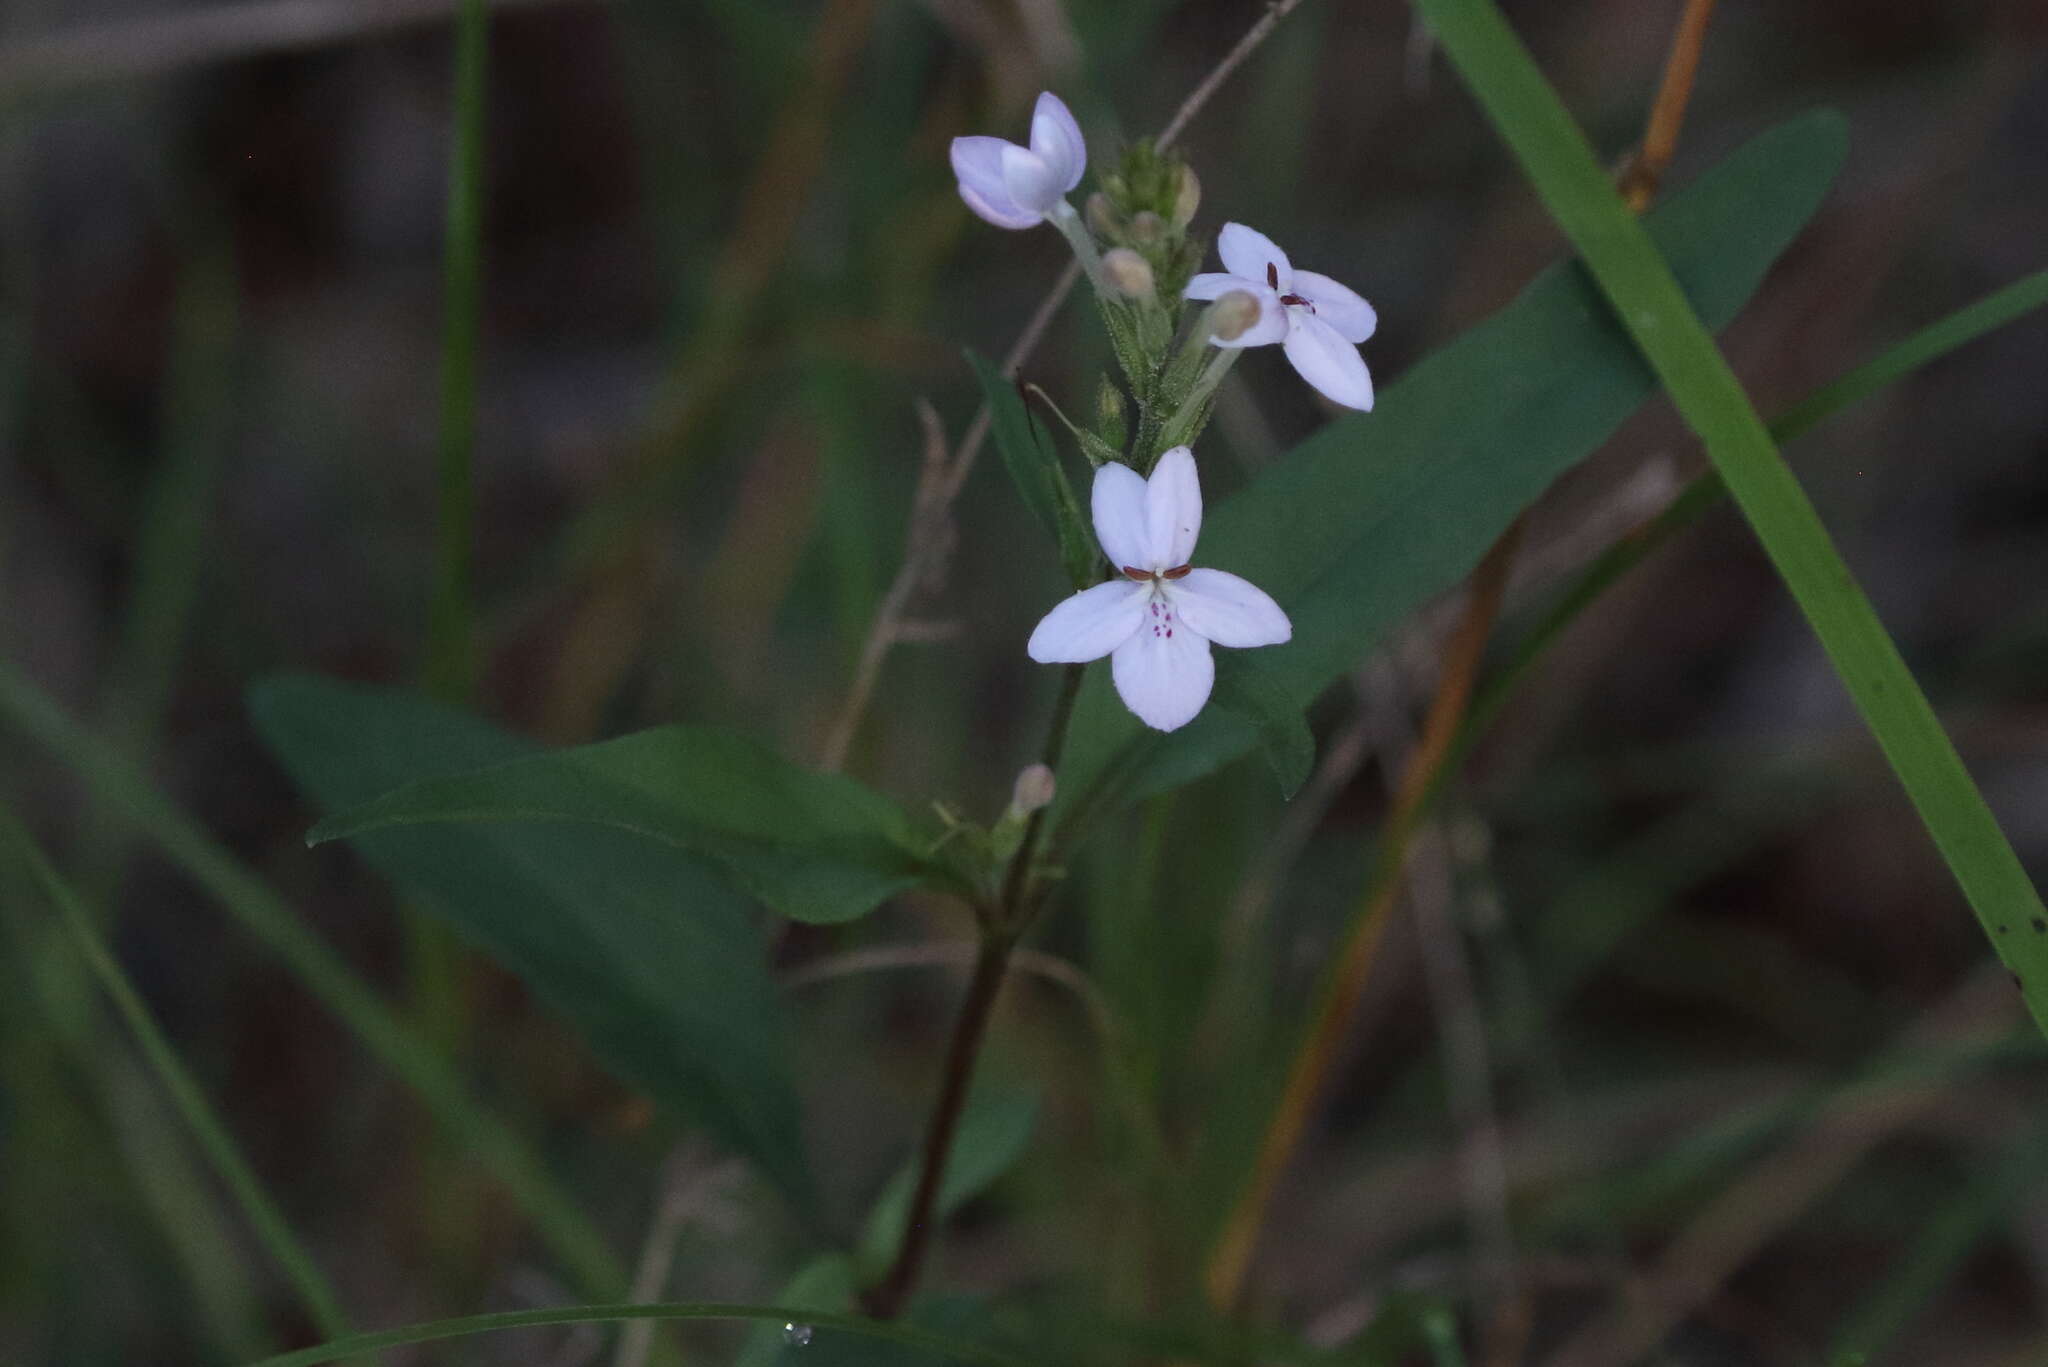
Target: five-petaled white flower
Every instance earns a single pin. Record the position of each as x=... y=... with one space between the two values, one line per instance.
x=1021 y=187
x=1319 y=321
x=1155 y=620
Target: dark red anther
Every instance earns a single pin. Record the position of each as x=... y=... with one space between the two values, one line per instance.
x=1179 y=572
x=1133 y=572
x=1272 y=276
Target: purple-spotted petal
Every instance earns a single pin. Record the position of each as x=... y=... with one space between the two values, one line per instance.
x=1163 y=673
x=1248 y=252
x=1323 y=358
x=1229 y=610
x=1338 y=305
x=1057 y=138
x=1173 y=511
x=1090 y=624
x=1118 y=505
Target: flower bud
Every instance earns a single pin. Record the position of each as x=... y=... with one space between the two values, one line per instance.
x=1101 y=215
x=1032 y=791
x=1187 y=197
x=1109 y=412
x=1233 y=315
x=1147 y=227
x=1128 y=273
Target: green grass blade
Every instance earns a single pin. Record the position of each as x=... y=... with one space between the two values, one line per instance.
x=880 y=1331
x=451 y=648
x=208 y=1131
x=125 y=792
x=1924 y=347
x=1647 y=300
x=1938 y=1250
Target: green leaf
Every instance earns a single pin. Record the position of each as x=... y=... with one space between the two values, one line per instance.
x=994 y=1131
x=816 y=847
x=1650 y=304
x=1036 y=471
x=827 y=1283
x=647 y=949
x=1379 y=511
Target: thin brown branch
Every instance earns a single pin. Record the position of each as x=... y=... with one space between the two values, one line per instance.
x=1231 y=1257
x=1645 y=172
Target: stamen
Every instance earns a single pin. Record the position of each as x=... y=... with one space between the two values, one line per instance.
x=1272 y=276
x=1133 y=572
x=1178 y=572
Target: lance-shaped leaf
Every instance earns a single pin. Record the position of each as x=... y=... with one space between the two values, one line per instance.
x=1376 y=513
x=816 y=847
x=646 y=949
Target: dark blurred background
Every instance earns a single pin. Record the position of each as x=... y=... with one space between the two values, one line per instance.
x=723 y=261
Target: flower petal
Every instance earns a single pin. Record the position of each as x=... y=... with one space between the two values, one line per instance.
x=1119 y=509
x=1229 y=610
x=978 y=164
x=1173 y=511
x=1328 y=362
x=1338 y=305
x=1216 y=284
x=1247 y=252
x=1090 y=624
x=1057 y=138
x=1163 y=674
x=1029 y=180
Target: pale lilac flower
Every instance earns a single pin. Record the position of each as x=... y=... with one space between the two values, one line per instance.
x=1156 y=619
x=1317 y=320
x=1021 y=187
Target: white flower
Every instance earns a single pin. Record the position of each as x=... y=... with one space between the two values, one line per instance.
x=1020 y=187
x=1319 y=321
x=1156 y=620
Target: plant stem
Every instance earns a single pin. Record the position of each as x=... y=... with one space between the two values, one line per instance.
x=885 y=1300
x=1002 y=925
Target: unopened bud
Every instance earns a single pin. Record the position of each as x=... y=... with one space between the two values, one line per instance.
x=1101 y=215
x=1232 y=316
x=1128 y=273
x=1147 y=227
x=1109 y=412
x=1187 y=198
x=1033 y=790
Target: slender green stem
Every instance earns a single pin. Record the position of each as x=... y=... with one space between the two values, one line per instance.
x=1649 y=304
x=903 y=1336
x=210 y=1133
x=451 y=647
x=128 y=795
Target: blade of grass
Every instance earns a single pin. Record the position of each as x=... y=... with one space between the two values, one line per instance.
x=898 y=1334
x=1554 y=153
x=451 y=648
x=1939 y=1248
x=223 y=1307
x=208 y=1131
x=1924 y=347
x=123 y=790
